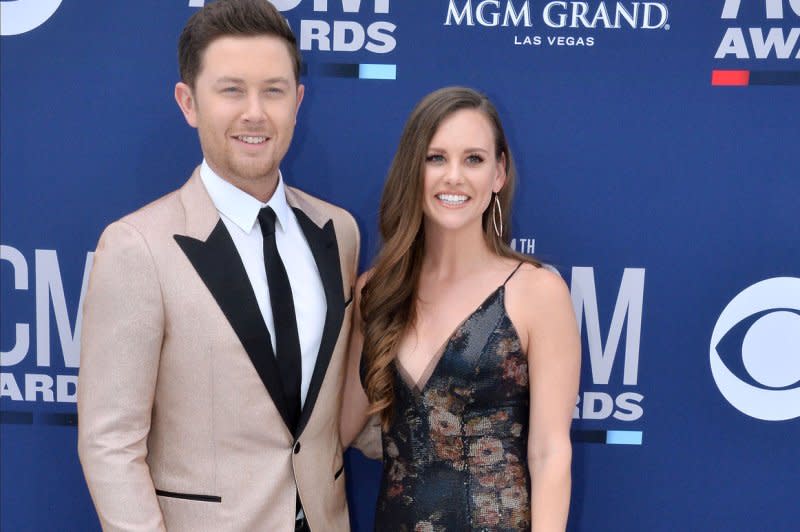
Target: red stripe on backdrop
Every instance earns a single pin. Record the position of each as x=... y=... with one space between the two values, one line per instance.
x=730 y=77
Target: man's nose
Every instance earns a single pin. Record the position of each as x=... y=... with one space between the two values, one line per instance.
x=254 y=109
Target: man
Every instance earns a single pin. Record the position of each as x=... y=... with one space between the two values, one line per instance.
x=216 y=318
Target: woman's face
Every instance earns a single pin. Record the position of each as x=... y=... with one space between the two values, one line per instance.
x=461 y=171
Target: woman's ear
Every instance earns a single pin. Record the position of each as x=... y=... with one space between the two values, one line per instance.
x=500 y=177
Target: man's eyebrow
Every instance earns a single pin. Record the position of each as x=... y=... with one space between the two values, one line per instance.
x=232 y=79
x=229 y=79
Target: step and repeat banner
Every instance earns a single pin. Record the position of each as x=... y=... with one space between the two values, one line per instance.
x=658 y=147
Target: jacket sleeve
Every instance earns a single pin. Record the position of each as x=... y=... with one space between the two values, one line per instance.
x=123 y=327
x=368 y=440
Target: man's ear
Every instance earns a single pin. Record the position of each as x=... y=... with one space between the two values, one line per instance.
x=301 y=90
x=186 y=101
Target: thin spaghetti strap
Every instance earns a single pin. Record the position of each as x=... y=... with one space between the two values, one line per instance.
x=512 y=273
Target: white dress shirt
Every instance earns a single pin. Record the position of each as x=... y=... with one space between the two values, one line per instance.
x=239 y=212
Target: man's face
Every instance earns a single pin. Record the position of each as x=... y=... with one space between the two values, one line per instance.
x=244 y=105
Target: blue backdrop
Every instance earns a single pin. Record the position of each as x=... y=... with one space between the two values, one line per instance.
x=657 y=147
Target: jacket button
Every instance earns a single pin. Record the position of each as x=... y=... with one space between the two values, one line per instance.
x=296 y=447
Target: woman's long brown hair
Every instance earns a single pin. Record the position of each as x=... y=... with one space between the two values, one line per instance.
x=388 y=299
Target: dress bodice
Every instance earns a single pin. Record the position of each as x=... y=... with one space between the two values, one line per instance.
x=455 y=455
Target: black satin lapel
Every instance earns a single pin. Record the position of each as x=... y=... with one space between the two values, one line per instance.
x=325 y=249
x=220 y=267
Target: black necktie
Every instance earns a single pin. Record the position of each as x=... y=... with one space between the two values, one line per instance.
x=287 y=342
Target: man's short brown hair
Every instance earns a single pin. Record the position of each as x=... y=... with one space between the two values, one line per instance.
x=245 y=18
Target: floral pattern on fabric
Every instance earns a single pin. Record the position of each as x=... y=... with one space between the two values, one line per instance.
x=455 y=457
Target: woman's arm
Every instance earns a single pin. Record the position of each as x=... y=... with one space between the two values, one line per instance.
x=354 y=401
x=553 y=347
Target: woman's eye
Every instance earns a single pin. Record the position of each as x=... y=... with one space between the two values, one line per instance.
x=434 y=158
x=474 y=159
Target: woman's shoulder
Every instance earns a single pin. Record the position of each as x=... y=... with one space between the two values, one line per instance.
x=534 y=279
x=362 y=280
x=536 y=290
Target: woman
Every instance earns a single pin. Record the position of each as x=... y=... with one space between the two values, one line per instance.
x=475 y=422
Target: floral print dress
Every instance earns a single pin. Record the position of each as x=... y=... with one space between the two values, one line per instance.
x=455 y=457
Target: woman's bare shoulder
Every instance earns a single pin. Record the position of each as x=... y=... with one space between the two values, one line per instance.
x=535 y=293
x=362 y=279
x=539 y=281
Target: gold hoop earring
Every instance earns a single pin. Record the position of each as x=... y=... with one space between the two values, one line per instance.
x=497 y=210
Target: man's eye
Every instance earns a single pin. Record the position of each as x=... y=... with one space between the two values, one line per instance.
x=231 y=90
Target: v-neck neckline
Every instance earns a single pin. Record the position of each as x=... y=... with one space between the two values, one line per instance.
x=435 y=361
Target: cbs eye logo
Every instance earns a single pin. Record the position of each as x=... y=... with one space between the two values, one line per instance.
x=21 y=16
x=770 y=350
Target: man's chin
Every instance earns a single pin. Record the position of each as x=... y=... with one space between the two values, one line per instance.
x=255 y=173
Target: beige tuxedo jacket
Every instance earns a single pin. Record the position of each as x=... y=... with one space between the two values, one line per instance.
x=180 y=405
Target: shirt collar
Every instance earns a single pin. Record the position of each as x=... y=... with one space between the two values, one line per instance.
x=239 y=206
